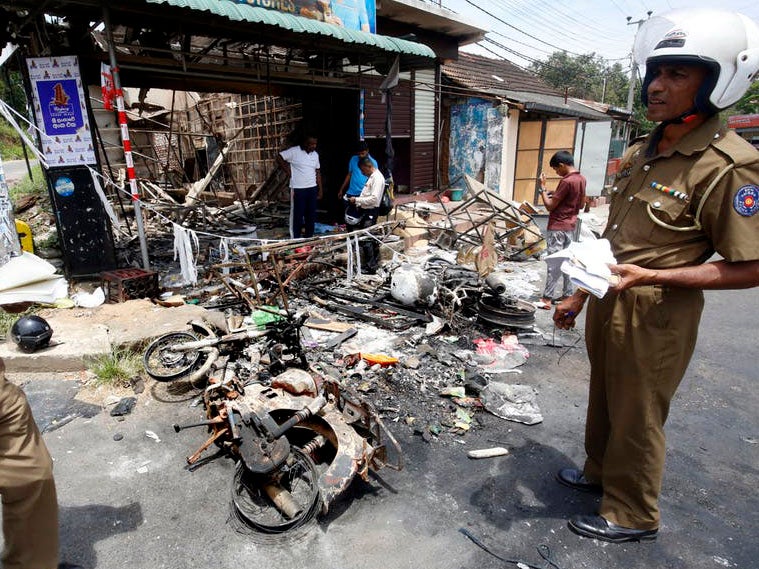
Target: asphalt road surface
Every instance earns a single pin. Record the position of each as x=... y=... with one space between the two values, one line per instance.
x=130 y=503
x=15 y=170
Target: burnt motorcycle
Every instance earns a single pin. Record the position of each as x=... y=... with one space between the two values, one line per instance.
x=299 y=437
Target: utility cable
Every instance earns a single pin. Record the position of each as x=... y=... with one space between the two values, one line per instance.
x=543 y=550
x=504 y=22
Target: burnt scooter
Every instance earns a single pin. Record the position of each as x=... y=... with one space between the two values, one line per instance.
x=296 y=448
x=191 y=355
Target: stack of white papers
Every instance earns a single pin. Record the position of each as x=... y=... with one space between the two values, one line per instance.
x=586 y=264
x=27 y=278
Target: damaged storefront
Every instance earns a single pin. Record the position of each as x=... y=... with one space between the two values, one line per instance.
x=303 y=356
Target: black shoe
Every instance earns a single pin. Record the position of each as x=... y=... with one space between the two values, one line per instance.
x=574 y=478
x=598 y=527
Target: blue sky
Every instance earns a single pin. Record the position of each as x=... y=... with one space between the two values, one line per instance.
x=535 y=28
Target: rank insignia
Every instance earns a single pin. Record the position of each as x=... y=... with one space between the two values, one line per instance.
x=746 y=201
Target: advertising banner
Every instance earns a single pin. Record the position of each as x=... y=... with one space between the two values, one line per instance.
x=61 y=111
x=352 y=14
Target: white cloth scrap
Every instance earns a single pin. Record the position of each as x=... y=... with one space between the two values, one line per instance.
x=587 y=265
x=183 y=244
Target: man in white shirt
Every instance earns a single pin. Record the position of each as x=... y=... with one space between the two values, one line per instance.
x=362 y=211
x=302 y=165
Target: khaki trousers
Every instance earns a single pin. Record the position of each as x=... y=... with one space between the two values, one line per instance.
x=639 y=344
x=30 y=508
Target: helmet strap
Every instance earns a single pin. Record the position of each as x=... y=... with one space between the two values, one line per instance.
x=687 y=117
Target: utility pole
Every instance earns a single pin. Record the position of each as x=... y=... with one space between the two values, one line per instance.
x=633 y=63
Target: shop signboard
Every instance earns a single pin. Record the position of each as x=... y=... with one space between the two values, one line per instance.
x=352 y=14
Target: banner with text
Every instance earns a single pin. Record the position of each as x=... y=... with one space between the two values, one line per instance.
x=353 y=14
x=61 y=110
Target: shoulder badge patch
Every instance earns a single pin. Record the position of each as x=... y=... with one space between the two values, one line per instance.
x=746 y=201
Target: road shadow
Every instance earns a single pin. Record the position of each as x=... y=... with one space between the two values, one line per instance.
x=81 y=527
x=528 y=490
x=357 y=491
x=54 y=403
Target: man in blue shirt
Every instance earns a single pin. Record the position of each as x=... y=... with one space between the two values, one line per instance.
x=355 y=179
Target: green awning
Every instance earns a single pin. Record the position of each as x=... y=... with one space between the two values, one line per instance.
x=252 y=14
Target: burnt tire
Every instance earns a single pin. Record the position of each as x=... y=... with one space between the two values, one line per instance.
x=253 y=507
x=162 y=363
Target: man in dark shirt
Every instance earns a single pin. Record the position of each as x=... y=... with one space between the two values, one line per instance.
x=563 y=206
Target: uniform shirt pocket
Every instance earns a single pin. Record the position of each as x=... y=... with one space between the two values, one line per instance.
x=666 y=209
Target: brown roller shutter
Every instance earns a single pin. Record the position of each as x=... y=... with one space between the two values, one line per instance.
x=374 y=109
x=423 y=166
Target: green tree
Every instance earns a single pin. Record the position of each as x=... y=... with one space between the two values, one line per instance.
x=749 y=103
x=589 y=76
x=12 y=91
x=586 y=76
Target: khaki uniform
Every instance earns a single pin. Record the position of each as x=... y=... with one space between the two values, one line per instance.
x=640 y=340
x=30 y=508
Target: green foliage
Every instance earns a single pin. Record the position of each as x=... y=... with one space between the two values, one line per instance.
x=12 y=92
x=10 y=144
x=116 y=369
x=25 y=186
x=585 y=77
x=7 y=320
x=590 y=77
x=749 y=103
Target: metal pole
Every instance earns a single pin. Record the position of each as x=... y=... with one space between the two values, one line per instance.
x=633 y=63
x=125 y=139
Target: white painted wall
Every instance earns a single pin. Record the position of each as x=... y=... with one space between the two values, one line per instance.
x=509 y=154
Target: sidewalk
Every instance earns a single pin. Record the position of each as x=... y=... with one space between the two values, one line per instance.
x=83 y=333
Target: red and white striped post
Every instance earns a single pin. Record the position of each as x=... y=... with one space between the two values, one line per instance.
x=125 y=139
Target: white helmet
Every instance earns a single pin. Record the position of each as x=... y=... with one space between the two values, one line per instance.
x=352 y=215
x=726 y=43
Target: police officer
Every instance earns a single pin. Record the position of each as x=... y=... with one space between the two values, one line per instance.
x=30 y=509
x=690 y=189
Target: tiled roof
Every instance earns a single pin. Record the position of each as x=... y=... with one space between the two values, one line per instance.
x=494 y=76
x=504 y=79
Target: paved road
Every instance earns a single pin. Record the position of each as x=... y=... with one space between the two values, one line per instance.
x=15 y=170
x=130 y=503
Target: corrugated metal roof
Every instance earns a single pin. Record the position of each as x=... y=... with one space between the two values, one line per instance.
x=555 y=104
x=245 y=13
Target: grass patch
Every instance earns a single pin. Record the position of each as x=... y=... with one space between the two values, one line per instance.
x=6 y=322
x=8 y=319
x=10 y=143
x=25 y=186
x=116 y=369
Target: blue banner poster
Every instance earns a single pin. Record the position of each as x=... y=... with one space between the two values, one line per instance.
x=61 y=111
x=352 y=14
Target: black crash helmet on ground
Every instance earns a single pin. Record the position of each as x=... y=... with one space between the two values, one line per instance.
x=31 y=333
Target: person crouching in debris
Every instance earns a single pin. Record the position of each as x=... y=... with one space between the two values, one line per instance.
x=362 y=211
x=302 y=165
x=30 y=506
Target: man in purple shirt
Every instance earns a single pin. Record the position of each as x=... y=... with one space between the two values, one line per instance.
x=563 y=205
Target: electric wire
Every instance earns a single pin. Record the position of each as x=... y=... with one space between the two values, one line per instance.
x=532 y=13
x=504 y=22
